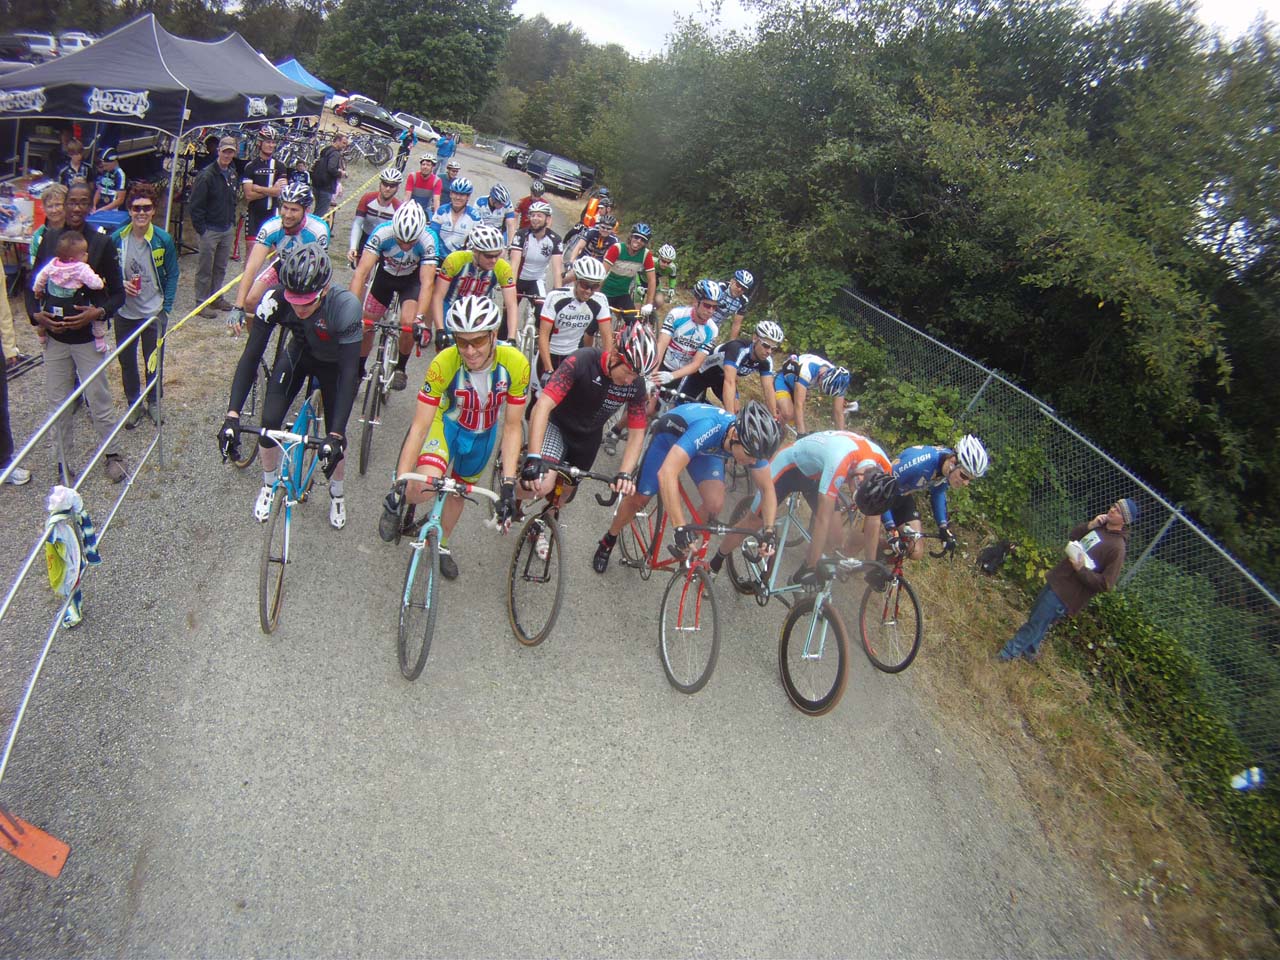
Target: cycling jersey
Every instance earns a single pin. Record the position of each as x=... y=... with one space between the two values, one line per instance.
x=803 y=369
x=738 y=355
x=826 y=458
x=666 y=278
x=688 y=337
x=624 y=266
x=263 y=173
x=394 y=259
x=371 y=213
x=571 y=318
x=536 y=252
x=453 y=231
x=586 y=397
x=463 y=278
x=473 y=400
x=423 y=188
x=730 y=306
x=309 y=230
x=495 y=217
x=919 y=468
x=110 y=185
x=699 y=430
x=596 y=242
x=522 y=210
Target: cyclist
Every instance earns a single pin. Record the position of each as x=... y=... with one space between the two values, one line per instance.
x=452 y=171
x=597 y=206
x=455 y=424
x=325 y=344
x=830 y=465
x=698 y=437
x=596 y=241
x=263 y=180
x=292 y=227
x=374 y=209
x=583 y=393
x=424 y=186
x=719 y=373
x=408 y=139
x=455 y=219
x=798 y=376
x=936 y=469
x=733 y=304
x=537 y=249
x=570 y=313
x=625 y=262
x=401 y=257
x=496 y=210
x=536 y=190
x=665 y=270
x=474 y=272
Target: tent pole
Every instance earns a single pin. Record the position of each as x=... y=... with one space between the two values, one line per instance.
x=168 y=214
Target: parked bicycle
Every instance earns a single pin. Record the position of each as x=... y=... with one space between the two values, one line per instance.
x=370 y=148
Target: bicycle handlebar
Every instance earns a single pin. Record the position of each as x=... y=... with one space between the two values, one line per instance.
x=448 y=485
x=281 y=437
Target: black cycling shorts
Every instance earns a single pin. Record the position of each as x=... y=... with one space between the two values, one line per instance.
x=904 y=509
x=528 y=289
x=384 y=284
x=576 y=449
x=623 y=301
x=792 y=481
x=293 y=368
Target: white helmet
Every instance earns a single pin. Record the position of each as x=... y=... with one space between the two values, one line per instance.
x=770 y=332
x=540 y=206
x=473 y=315
x=408 y=222
x=391 y=175
x=590 y=269
x=667 y=252
x=972 y=456
x=485 y=239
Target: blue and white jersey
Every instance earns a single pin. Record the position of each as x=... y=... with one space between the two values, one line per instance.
x=919 y=468
x=729 y=306
x=311 y=229
x=688 y=337
x=394 y=259
x=454 y=234
x=804 y=369
x=700 y=429
x=495 y=217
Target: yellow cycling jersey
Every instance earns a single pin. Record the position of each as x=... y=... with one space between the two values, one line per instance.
x=465 y=279
x=473 y=400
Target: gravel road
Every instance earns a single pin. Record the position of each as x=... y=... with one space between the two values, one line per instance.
x=231 y=794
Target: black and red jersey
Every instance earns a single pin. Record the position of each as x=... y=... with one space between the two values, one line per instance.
x=586 y=397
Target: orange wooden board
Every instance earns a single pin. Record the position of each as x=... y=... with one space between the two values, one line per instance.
x=35 y=847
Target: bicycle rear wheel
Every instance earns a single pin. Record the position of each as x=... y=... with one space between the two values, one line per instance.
x=813 y=657
x=369 y=413
x=536 y=583
x=891 y=626
x=688 y=630
x=418 y=605
x=271 y=566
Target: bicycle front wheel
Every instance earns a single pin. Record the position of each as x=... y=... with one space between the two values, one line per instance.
x=891 y=626
x=536 y=583
x=308 y=468
x=688 y=630
x=369 y=413
x=813 y=657
x=252 y=411
x=271 y=567
x=636 y=540
x=418 y=605
x=742 y=573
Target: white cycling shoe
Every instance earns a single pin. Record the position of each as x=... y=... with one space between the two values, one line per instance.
x=337 y=512
x=262 y=506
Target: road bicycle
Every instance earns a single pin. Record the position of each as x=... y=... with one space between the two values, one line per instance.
x=299 y=446
x=527 y=338
x=257 y=398
x=377 y=385
x=370 y=148
x=535 y=586
x=419 y=603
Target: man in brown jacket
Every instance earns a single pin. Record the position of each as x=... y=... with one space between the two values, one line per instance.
x=1092 y=565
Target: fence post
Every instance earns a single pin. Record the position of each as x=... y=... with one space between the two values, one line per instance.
x=1133 y=569
x=976 y=396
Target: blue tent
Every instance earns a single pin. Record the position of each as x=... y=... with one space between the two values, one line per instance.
x=298 y=73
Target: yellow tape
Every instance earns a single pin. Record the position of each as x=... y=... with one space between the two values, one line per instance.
x=153 y=360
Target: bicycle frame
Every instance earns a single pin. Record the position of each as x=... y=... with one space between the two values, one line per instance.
x=649 y=531
x=442 y=487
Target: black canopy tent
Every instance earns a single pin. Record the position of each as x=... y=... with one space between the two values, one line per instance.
x=142 y=75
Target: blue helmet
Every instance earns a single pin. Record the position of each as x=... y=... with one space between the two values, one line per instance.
x=499 y=196
x=744 y=277
x=463 y=186
x=642 y=230
x=834 y=382
x=706 y=289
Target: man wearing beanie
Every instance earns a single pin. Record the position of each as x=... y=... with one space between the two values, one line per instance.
x=1094 y=556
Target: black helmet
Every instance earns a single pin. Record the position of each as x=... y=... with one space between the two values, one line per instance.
x=758 y=432
x=876 y=494
x=305 y=269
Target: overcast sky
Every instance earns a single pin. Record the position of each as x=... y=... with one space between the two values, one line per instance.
x=642 y=26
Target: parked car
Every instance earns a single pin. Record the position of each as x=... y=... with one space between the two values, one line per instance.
x=559 y=174
x=338 y=102
x=516 y=159
x=43 y=45
x=407 y=121
x=365 y=113
x=73 y=41
x=16 y=49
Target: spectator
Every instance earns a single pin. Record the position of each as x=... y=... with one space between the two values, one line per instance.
x=111 y=182
x=213 y=214
x=149 y=261
x=54 y=201
x=76 y=167
x=1095 y=554
x=61 y=285
x=68 y=348
x=328 y=172
x=19 y=476
x=446 y=147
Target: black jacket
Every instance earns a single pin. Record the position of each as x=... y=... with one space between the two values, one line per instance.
x=103 y=261
x=329 y=169
x=213 y=198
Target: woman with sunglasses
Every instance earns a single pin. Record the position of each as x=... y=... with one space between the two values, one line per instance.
x=936 y=469
x=149 y=266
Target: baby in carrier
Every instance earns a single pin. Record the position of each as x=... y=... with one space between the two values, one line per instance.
x=62 y=283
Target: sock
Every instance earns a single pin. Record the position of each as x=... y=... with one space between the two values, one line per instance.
x=718 y=561
x=608 y=540
x=335 y=488
x=269 y=479
x=402 y=362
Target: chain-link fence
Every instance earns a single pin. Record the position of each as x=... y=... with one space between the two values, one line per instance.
x=1187 y=583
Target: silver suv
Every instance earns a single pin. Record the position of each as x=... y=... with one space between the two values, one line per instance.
x=43 y=45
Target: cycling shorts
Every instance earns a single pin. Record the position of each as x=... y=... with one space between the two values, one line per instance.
x=463 y=454
x=791 y=480
x=903 y=509
x=575 y=449
x=384 y=285
x=704 y=466
x=531 y=289
x=269 y=276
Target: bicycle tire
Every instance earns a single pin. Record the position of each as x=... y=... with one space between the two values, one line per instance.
x=529 y=625
x=740 y=574
x=888 y=639
x=809 y=681
x=369 y=412
x=421 y=586
x=252 y=411
x=272 y=563
x=688 y=662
